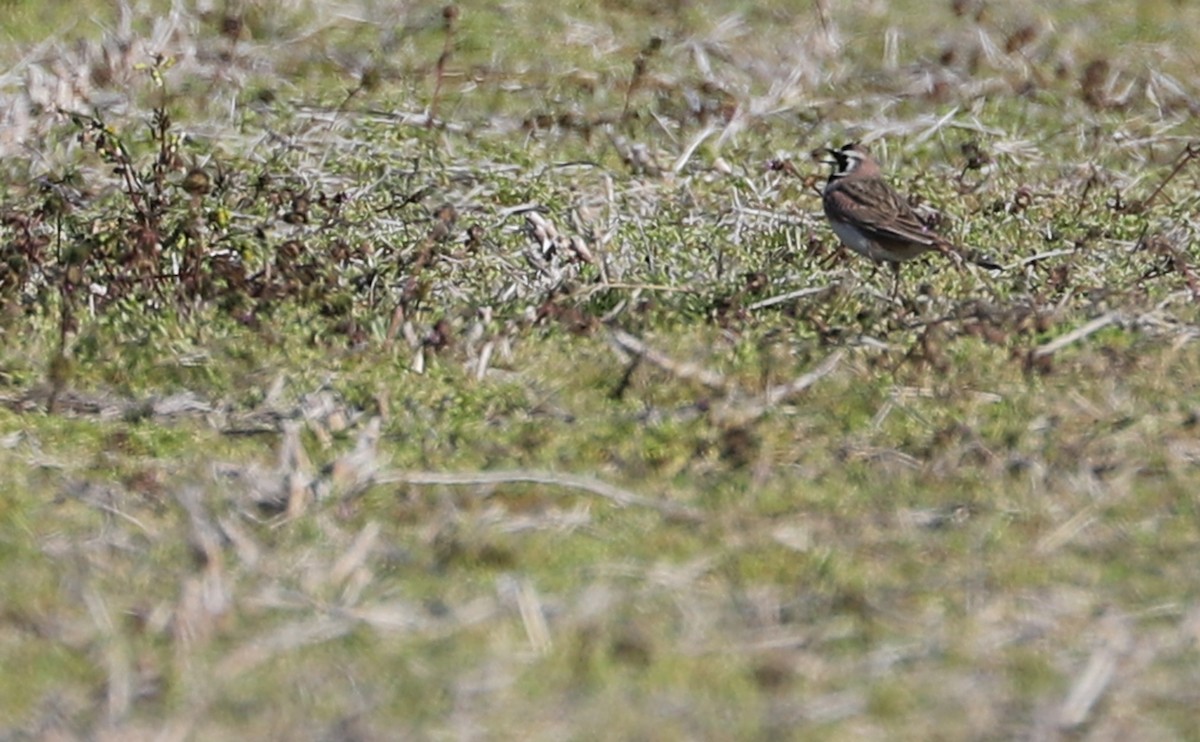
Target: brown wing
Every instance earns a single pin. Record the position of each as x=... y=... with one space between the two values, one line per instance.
x=878 y=211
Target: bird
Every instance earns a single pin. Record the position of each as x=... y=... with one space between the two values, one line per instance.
x=875 y=221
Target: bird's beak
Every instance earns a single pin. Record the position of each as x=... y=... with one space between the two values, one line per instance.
x=832 y=153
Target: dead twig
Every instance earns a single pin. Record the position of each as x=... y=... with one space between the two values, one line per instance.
x=782 y=392
x=737 y=407
x=1040 y=257
x=639 y=70
x=791 y=296
x=742 y=412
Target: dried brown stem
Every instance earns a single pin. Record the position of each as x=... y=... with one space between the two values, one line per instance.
x=1191 y=152
x=449 y=16
x=639 y=70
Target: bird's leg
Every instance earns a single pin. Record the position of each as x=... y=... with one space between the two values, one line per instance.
x=895 y=282
x=833 y=259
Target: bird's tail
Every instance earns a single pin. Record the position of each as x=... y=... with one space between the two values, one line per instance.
x=981 y=260
x=957 y=254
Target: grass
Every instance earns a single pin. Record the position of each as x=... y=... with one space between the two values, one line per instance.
x=380 y=371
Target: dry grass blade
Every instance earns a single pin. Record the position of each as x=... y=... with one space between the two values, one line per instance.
x=616 y=495
x=790 y=296
x=349 y=473
x=1075 y=525
x=687 y=371
x=280 y=641
x=533 y=617
x=356 y=556
x=1074 y=336
x=783 y=392
x=1039 y=257
x=695 y=142
x=1090 y=686
x=397 y=616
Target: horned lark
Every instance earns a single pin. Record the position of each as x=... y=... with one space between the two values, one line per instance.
x=873 y=220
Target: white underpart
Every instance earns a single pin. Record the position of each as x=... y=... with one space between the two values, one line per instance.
x=854 y=239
